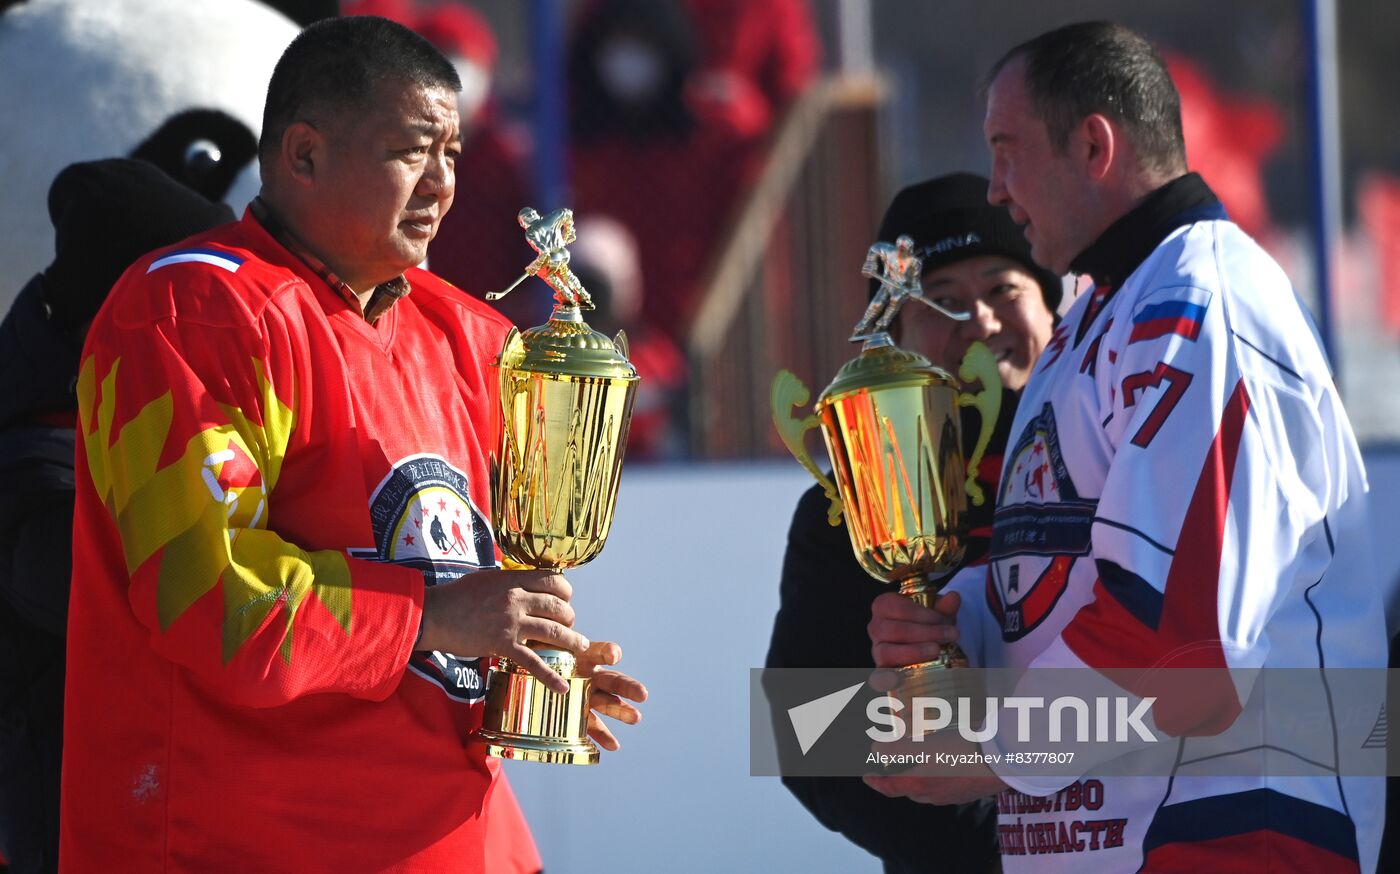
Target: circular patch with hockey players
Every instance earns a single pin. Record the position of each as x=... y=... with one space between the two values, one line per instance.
x=424 y=517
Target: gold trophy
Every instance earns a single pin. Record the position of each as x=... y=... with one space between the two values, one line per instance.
x=891 y=425
x=566 y=402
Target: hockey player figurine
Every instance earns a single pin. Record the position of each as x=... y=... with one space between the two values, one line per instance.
x=549 y=235
x=899 y=272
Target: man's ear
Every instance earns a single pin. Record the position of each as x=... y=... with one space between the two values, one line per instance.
x=1098 y=143
x=303 y=151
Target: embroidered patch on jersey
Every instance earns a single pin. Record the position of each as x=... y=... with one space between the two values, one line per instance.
x=1181 y=316
x=1035 y=467
x=1020 y=617
x=216 y=257
x=424 y=517
x=1041 y=526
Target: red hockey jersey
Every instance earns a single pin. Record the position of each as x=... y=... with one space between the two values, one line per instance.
x=265 y=483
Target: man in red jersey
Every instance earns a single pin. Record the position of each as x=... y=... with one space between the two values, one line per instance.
x=273 y=417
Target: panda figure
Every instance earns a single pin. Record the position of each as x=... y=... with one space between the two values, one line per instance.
x=180 y=83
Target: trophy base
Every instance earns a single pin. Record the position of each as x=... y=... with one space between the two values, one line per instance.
x=524 y=721
x=936 y=677
x=940 y=678
x=521 y=748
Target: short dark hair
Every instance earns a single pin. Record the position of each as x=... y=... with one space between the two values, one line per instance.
x=1102 y=67
x=336 y=65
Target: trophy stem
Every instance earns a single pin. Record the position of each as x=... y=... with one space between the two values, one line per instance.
x=524 y=720
x=566 y=313
x=877 y=340
x=919 y=589
x=931 y=677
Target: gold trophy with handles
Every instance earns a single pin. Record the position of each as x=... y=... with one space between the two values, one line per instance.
x=892 y=427
x=566 y=402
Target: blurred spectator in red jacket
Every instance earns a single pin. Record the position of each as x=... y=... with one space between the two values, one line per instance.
x=479 y=246
x=605 y=259
x=657 y=149
x=1229 y=139
x=1378 y=206
x=756 y=58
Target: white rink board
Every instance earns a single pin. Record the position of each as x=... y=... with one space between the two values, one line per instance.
x=688 y=584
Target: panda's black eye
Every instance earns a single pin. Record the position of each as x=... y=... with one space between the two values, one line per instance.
x=202 y=157
x=203 y=148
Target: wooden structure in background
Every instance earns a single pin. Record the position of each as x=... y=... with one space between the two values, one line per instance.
x=785 y=288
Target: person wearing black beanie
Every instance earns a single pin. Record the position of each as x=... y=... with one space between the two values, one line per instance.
x=950 y=218
x=106 y=214
x=974 y=259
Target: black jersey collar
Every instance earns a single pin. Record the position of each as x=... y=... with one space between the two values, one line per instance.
x=1119 y=250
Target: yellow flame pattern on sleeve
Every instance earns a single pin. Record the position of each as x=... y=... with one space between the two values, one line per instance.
x=206 y=535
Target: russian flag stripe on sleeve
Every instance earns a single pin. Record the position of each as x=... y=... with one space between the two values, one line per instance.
x=226 y=260
x=1181 y=317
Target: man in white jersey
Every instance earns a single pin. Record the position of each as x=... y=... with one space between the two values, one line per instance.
x=1172 y=496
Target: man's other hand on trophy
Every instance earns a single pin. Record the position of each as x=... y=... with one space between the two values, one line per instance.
x=902 y=633
x=495 y=612
x=610 y=692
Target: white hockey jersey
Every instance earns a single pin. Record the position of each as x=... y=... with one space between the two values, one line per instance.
x=1171 y=498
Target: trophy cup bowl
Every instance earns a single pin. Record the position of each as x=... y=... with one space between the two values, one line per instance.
x=891 y=427
x=566 y=394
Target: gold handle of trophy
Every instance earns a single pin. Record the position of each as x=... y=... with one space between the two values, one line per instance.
x=788 y=392
x=979 y=365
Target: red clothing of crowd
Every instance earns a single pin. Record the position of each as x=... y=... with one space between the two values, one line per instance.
x=674 y=165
